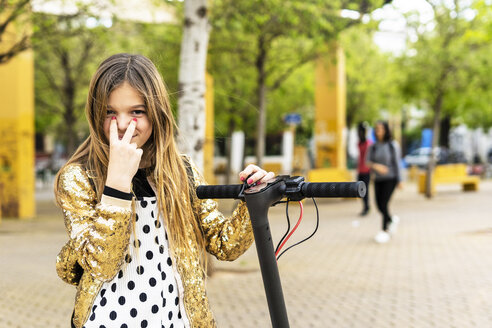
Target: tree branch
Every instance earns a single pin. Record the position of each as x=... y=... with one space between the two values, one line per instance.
x=20 y=46
x=84 y=57
x=51 y=81
x=283 y=76
x=14 y=14
x=51 y=109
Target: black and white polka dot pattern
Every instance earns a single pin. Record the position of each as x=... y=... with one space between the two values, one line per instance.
x=144 y=292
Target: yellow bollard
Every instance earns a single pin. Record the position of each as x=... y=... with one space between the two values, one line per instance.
x=17 y=136
x=330 y=116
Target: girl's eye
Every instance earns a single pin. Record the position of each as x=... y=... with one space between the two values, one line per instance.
x=110 y=112
x=138 y=112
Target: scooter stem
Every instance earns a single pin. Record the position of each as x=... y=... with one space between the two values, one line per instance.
x=258 y=203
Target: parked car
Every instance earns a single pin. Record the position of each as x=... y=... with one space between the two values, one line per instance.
x=420 y=157
x=456 y=157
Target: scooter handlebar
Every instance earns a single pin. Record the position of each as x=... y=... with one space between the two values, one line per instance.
x=218 y=191
x=307 y=189
x=333 y=189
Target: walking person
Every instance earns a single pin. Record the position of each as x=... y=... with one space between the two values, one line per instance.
x=137 y=232
x=363 y=171
x=383 y=159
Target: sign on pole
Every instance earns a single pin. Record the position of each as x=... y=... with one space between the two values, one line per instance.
x=292 y=119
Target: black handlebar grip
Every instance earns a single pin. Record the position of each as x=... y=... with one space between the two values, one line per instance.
x=218 y=191
x=334 y=189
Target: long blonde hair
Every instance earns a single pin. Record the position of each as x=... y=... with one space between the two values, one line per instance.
x=168 y=169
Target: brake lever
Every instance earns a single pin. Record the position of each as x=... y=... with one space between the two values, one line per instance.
x=246 y=186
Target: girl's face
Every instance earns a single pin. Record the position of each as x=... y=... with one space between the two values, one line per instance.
x=379 y=131
x=125 y=103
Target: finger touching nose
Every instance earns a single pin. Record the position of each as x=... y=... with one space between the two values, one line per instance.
x=123 y=123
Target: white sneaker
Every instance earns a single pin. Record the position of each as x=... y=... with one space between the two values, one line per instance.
x=393 y=226
x=382 y=237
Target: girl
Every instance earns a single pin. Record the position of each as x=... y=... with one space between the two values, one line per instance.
x=137 y=232
x=383 y=159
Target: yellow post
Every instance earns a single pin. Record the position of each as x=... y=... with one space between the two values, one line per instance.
x=330 y=118
x=17 y=128
x=208 y=147
x=17 y=136
x=395 y=126
x=330 y=102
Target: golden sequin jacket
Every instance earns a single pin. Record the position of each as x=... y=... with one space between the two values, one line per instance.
x=99 y=234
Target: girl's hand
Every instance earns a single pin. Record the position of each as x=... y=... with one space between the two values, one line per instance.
x=259 y=175
x=380 y=168
x=124 y=157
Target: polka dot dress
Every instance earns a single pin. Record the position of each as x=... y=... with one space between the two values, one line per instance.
x=144 y=292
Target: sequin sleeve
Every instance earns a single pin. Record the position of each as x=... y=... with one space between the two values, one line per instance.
x=226 y=238
x=99 y=232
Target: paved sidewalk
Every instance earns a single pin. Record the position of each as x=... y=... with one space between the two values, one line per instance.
x=436 y=272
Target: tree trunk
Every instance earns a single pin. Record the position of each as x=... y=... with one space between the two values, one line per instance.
x=403 y=132
x=349 y=120
x=435 y=138
x=191 y=101
x=230 y=129
x=261 y=94
x=69 y=129
x=69 y=90
x=445 y=128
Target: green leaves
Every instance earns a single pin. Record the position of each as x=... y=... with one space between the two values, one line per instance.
x=372 y=78
x=453 y=59
x=68 y=53
x=278 y=40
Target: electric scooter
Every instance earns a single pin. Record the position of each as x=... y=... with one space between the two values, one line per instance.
x=259 y=198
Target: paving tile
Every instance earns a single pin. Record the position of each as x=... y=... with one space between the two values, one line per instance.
x=435 y=272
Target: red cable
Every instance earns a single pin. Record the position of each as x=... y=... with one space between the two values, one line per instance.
x=290 y=234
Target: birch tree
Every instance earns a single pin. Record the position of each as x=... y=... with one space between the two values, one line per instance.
x=191 y=101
